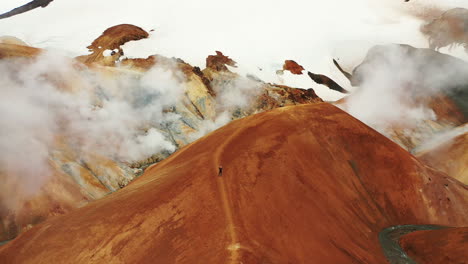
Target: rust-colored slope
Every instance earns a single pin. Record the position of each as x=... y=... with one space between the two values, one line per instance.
x=20 y=209
x=437 y=246
x=450 y=157
x=302 y=184
x=95 y=176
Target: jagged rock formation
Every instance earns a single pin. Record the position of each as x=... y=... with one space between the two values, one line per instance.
x=302 y=184
x=111 y=40
x=293 y=67
x=219 y=62
x=78 y=177
x=437 y=246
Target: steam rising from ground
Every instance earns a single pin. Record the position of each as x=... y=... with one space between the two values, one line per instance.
x=120 y=117
x=232 y=95
x=397 y=81
x=52 y=100
x=439 y=139
x=238 y=93
x=114 y=117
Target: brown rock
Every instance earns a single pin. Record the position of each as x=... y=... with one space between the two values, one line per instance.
x=116 y=36
x=293 y=96
x=111 y=39
x=293 y=67
x=139 y=63
x=219 y=61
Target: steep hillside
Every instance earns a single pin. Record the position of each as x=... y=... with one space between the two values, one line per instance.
x=437 y=246
x=76 y=172
x=300 y=184
x=448 y=154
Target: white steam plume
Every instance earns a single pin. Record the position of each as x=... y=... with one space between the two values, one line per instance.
x=441 y=138
x=232 y=95
x=394 y=87
x=49 y=98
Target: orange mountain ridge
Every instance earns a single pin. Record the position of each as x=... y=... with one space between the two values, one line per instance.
x=300 y=184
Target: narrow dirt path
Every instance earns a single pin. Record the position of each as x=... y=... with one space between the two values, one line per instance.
x=220 y=173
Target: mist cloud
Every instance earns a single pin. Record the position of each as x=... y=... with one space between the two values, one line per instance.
x=52 y=100
x=397 y=80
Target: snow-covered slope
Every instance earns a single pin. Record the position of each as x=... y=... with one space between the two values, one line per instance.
x=259 y=34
